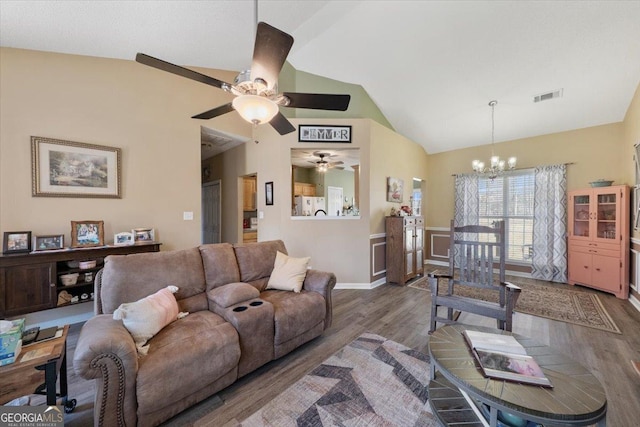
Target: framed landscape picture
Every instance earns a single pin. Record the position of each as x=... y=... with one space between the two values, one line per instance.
x=86 y=234
x=74 y=169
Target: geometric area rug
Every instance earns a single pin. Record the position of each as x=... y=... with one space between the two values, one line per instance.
x=372 y=381
x=543 y=300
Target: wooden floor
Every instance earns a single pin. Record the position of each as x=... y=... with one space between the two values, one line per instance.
x=402 y=314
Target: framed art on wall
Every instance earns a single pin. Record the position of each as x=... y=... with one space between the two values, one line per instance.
x=74 y=169
x=268 y=192
x=16 y=242
x=86 y=234
x=395 y=188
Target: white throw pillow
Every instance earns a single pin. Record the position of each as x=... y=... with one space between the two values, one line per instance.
x=288 y=273
x=147 y=316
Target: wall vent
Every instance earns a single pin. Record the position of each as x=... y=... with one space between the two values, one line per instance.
x=548 y=95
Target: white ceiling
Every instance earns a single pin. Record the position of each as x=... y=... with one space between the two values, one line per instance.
x=430 y=66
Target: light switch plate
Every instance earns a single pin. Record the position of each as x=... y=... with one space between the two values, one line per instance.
x=261 y=214
x=187 y=216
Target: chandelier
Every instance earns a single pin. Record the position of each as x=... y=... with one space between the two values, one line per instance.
x=496 y=166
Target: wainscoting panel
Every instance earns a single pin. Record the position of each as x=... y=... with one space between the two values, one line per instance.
x=377 y=249
x=634 y=273
x=437 y=245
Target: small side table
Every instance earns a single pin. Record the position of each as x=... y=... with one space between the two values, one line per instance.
x=39 y=374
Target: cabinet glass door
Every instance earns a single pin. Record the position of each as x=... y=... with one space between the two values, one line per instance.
x=606 y=216
x=581 y=215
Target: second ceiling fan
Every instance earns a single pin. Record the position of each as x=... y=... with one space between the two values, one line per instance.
x=257 y=99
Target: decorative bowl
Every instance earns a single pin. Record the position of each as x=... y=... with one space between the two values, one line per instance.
x=69 y=279
x=601 y=183
x=84 y=265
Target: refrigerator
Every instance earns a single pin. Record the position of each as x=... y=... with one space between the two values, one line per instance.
x=308 y=206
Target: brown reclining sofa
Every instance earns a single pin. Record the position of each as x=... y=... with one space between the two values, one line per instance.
x=218 y=342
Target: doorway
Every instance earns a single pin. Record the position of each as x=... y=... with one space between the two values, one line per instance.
x=211 y=212
x=334 y=201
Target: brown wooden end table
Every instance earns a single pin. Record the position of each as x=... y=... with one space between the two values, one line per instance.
x=576 y=399
x=39 y=374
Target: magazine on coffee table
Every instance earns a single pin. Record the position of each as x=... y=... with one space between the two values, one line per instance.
x=502 y=356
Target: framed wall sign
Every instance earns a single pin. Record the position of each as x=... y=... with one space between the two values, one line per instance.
x=74 y=169
x=16 y=242
x=324 y=133
x=268 y=193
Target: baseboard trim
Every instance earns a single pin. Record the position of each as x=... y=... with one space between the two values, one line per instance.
x=634 y=302
x=365 y=286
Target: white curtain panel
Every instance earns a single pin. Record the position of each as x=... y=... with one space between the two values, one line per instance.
x=467 y=206
x=549 y=260
x=467 y=200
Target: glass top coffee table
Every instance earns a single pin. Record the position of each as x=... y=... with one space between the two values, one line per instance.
x=576 y=399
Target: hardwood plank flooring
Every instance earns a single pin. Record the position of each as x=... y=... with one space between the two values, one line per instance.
x=402 y=314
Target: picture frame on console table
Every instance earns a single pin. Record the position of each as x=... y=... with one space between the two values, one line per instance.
x=16 y=242
x=123 y=239
x=87 y=234
x=74 y=169
x=143 y=234
x=48 y=243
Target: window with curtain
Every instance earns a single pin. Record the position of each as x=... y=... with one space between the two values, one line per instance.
x=509 y=197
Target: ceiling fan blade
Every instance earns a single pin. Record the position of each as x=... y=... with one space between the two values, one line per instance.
x=176 y=69
x=215 y=112
x=269 y=53
x=318 y=101
x=281 y=124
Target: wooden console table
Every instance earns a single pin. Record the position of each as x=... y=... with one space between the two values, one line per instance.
x=31 y=282
x=576 y=399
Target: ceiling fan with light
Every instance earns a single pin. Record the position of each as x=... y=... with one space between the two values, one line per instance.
x=322 y=165
x=257 y=99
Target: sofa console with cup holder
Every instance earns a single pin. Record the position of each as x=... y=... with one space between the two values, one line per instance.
x=173 y=328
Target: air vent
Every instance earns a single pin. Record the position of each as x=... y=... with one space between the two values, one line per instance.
x=547 y=96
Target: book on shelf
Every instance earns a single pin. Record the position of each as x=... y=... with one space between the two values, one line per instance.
x=502 y=356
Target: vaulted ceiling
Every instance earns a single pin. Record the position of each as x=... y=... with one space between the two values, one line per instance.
x=431 y=66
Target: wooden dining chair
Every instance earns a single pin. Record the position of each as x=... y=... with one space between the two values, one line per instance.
x=474 y=252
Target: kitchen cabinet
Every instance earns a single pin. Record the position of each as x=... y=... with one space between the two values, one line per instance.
x=249 y=236
x=598 y=244
x=404 y=248
x=249 y=194
x=304 y=189
x=31 y=282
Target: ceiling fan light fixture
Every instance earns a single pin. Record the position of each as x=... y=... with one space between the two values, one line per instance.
x=255 y=109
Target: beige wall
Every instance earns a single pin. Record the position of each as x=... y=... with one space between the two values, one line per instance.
x=338 y=245
x=393 y=155
x=143 y=111
x=596 y=152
